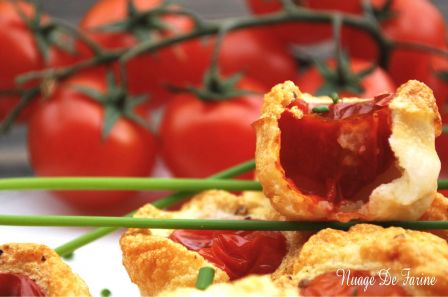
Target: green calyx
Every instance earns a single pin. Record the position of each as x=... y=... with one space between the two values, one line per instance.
x=144 y=25
x=117 y=103
x=442 y=74
x=47 y=34
x=215 y=88
x=379 y=14
x=341 y=78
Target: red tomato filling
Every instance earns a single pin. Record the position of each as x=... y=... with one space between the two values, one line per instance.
x=337 y=155
x=18 y=285
x=238 y=253
x=361 y=283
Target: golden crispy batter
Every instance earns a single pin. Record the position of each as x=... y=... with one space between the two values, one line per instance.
x=372 y=248
x=415 y=123
x=155 y=263
x=438 y=212
x=44 y=266
x=249 y=286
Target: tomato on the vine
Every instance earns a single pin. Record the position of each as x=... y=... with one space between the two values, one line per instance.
x=65 y=139
x=416 y=21
x=200 y=138
x=373 y=84
x=303 y=32
x=251 y=51
x=20 y=53
x=147 y=73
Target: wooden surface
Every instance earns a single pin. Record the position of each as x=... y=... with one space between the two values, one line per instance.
x=13 y=156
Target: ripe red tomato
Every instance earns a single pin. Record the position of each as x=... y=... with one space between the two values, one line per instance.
x=375 y=83
x=406 y=24
x=253 y=52
x=302 y=33
x=20 y=53
x=65 y=139
x=201 y=138
x=148 y=73
x=238 y=253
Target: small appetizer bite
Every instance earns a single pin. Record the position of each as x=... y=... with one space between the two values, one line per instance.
x=370 y=260
x=35 y=270
x=322 y=158
x=255 y=286
x=159 y=260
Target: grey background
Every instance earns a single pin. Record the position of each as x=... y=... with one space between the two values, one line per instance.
x=13 y=155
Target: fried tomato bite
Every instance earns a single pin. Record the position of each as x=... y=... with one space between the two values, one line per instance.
x=28 y=269
x=322 y=158
x=165 y=260
x=370 y=260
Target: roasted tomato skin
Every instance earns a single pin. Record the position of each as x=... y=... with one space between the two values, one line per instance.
x=65 y=139
x=12 y=284
x=353 y=136
x=238 y=253
x=331 y=284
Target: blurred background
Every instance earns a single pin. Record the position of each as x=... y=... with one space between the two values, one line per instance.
x=13 y=153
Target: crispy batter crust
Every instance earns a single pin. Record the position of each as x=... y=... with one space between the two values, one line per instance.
x=155 y=263
x=372 y=248
x=44 y=266
x=249 y=286
x=415 y=123
x=438 y=212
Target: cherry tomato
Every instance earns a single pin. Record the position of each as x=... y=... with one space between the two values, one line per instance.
x=406 y=24
x=148 y=73
x=200 y=138
x=20 y=53
x=330 y=284
x=303 y=33
x=252 y=52
x=377 y=82
x=18 y=285
x=65 y=139
x=309 y=142
x=238 y=253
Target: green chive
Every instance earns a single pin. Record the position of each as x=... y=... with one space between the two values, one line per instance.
x=68 y=256
x=202 y=224
x=335 y=97
x=106 y=293
x=98 y=233
x=320 y=109
x=124 y=183
x=205 y=278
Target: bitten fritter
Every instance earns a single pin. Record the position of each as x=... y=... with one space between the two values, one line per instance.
x=156 y=263
x=405 y=160
x=42 y=266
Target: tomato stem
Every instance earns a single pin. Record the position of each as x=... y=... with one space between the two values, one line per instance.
x=170 y=200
